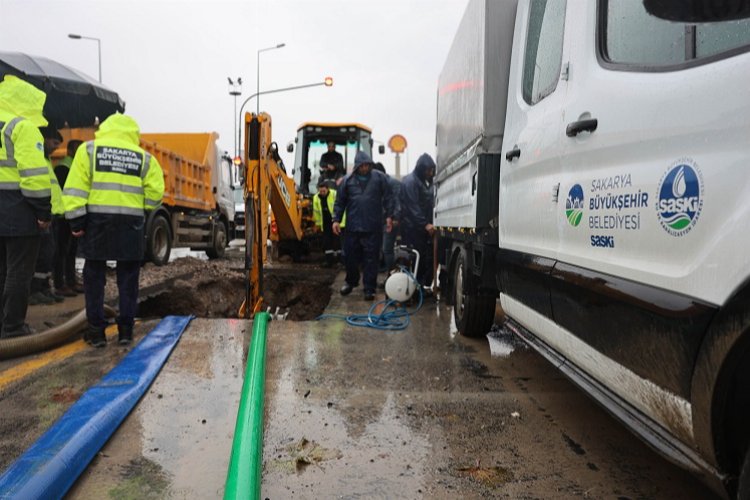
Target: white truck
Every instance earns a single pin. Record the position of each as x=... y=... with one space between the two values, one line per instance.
x=591 y=175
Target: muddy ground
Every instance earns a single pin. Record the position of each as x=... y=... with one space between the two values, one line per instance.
x=422 y=413
x=186 y=286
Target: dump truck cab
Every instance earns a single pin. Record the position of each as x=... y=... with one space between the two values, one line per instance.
x=312 y=141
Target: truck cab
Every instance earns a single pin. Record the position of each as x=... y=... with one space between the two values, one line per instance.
x=605 y=207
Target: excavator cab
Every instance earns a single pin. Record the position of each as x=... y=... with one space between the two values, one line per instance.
x=312 y=142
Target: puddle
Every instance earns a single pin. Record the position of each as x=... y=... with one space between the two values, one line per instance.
x=177 y=442
x=315 y=442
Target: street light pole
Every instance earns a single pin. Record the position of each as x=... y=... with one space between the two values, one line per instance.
x=98 y=45
x=328 y=82
x=235 y=89
x=257 y=73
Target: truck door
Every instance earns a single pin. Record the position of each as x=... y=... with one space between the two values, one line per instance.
x=528 y=225
x=656 y=150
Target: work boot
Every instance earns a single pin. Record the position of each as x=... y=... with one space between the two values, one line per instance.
x=40 y=299
x=124 y=334
x=95 y=336
x=346 y=289
x=369 y=295
x=65 y=291
x=55 y=298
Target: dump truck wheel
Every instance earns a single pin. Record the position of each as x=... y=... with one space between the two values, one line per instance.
x=220 y=242
x=159 y=241
x=472 y=311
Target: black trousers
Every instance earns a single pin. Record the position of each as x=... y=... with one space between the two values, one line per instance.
x=17 y=260
x=45 y=261
x=362 y=249
x=94 y=279
x=65 y=259
x=421 y=241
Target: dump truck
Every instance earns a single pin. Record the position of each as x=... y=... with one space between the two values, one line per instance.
x=198 y=208
x=591 y=174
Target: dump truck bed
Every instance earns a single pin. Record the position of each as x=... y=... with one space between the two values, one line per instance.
x=187 y=160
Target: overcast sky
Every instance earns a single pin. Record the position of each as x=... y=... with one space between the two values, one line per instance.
x=169 y=60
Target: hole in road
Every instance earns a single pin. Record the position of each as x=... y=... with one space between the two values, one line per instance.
x=304 y=293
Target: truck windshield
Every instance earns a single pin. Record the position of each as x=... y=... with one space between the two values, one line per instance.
x=312 y=143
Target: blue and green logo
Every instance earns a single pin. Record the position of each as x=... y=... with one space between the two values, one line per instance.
x=574 y=205
x=680 y=198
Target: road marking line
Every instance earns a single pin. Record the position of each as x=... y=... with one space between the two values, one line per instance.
x=26 y=368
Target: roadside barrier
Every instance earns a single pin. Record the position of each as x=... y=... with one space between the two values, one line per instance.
x=244 y=474
x=54 y=462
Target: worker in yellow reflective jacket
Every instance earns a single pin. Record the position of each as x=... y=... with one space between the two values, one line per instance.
x=323 y=203
x=111 y=186
x=24 y=197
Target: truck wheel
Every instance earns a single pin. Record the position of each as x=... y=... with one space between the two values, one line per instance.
x=220 y=242
x=743 y=488
x=158 y=241
x=473 y=312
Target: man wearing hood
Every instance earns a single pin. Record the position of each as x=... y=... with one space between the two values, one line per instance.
x=366 y=198
x=111 y=186
x=25 y=207
x=416 y=215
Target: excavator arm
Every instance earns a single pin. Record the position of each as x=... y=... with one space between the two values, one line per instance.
x=267 y=187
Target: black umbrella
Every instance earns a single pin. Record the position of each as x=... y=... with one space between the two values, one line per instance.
x=73 y=98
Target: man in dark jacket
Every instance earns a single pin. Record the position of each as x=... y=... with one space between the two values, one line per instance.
x=416 y=215
x=332 y=163
x=365 y=197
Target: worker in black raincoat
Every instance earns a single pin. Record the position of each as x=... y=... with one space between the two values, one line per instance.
x=417 y=204
x=365 y=197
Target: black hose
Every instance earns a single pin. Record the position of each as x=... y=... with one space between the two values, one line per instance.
x=22 y=346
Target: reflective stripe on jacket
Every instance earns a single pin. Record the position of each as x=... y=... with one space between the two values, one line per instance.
x=25 y=186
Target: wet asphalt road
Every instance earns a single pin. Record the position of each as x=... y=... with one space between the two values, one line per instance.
x=359 y=413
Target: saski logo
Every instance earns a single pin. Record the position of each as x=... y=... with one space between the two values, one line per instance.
x=680 y=198
x=574 y=205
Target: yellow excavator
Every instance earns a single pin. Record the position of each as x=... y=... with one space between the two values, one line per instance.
x=268 y=186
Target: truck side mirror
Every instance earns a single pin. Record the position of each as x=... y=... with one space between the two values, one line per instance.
x=290 y=147
x=381 y=149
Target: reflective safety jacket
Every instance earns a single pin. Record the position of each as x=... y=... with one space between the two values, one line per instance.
x=57 y=204
x=25 y=187
x=318 y=208
x=112 y=175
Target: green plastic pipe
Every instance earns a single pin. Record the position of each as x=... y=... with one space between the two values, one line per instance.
x=243 y=477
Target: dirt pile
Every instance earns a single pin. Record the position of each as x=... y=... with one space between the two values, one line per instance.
x=216 y=289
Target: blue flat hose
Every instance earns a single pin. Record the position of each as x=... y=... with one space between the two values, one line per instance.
x=52 y=464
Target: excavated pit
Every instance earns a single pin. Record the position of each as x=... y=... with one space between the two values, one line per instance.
x=216 y=289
